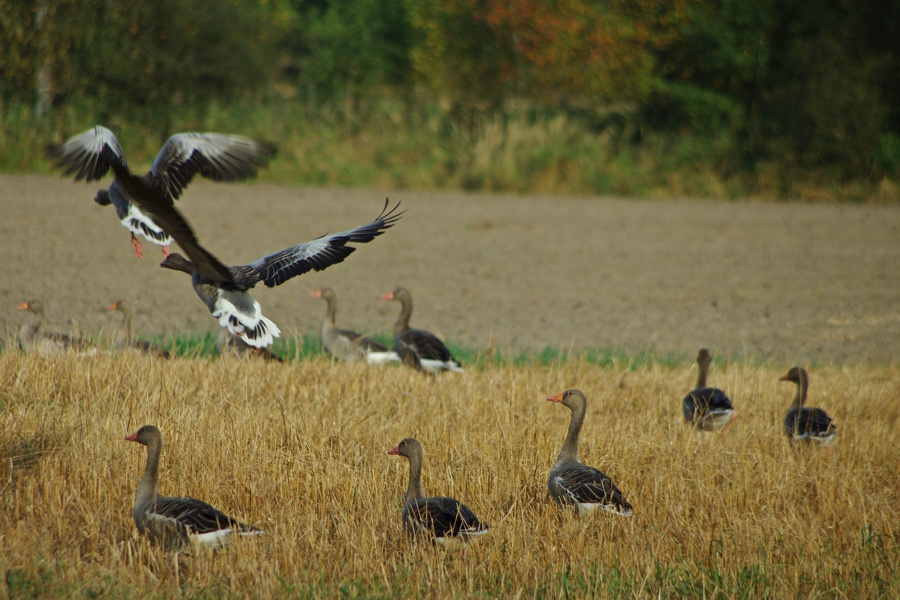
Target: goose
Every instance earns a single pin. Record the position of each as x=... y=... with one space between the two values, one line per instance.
x=32 y=337
x=416 y=348
x=125 y=339
x=224 y=289
x=177 y=524
x=573 y=483
x=440 y=519
x=228 y=343
x=216 y=156
x=806 y=424
x=707 y=408
x=345 y=344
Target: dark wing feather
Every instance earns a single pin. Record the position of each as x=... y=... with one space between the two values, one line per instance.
x=150 y=348
x=318 y=254
x=90 y=155
x=446 y=517
x=813 y=421
x=367 y=343
x=701 y=402
x=213 y=155
x=197 y=516
x=422 y=344
x=584 y=484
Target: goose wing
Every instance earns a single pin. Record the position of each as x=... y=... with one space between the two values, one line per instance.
x=318 y=254
x=197 y=516
x=89 y=155
x=813 y=421
x=445 y=517
x=215 y=156
x=586 y=485
x=422 y=344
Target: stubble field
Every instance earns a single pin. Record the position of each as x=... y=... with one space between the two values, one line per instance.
x=300 y=450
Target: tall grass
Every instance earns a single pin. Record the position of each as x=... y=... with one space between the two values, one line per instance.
x=299 y=449
x=390 y=144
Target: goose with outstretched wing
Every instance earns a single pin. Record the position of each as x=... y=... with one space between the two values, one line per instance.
x=224 y=289
x=219 y=157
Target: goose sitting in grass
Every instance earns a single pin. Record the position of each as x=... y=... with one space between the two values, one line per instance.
x=346 y=344
x=574 y=484
x=416 y=348
x=442 y=520
x=178 y=524
x=216 y=156
x=32 y=337
x=804 y=424
x=707 y=408
x=125 y=340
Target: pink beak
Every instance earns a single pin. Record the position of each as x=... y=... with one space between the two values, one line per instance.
x=395 y=451
x=388 y=296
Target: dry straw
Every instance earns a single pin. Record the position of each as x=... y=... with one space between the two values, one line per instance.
x=300 y=450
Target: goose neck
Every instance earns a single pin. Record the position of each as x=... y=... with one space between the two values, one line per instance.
x=800 y=395
x=148 y=488
x=569 y=450
x=415 y=491
x=402 y=323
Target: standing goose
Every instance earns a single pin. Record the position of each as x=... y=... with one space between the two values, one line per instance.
x=416 y=348
x=177 y=524
x=228 y=343
x=572 y=483
x=707 y=408
x=224 y=289
x=441 y=519
x=125 y=339
x=33 y=338
x=806 y=424
x=215 y=156
x=345 y=344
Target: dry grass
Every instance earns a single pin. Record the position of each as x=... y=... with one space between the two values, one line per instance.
x=300 y=450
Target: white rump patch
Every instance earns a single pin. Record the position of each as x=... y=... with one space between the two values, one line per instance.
x=824 y=439
x=381 y=358
x=137 y=222
x=585 y=508
x=255 y=329
x=439 y=366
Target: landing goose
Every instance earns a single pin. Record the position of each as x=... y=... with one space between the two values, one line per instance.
x=806 y=424
x=216 y=156
x=572 y=483
x=125 y=339
x=177 y=524
x=32 y=337
x=440 y=519
x=224 y=289
x=346 y=344
x=416 y=348
x=707 y=408
x=228 y=343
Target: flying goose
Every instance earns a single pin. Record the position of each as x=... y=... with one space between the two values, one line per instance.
x=224 y=289
x=125 y=339
x=707 y=408
x=416 y=348
x=440 y=519
x=216 y=156
x=572 y=483
x=32 y=337
x=177 y=524
x=806 y=424
x=345 y=344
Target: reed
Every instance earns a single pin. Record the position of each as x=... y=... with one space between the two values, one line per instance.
x=299 y=449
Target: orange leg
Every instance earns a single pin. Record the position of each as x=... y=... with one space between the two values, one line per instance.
x=136 y=246
x=166 y=252
x=734 y=416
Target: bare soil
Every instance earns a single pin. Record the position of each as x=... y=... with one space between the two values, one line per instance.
x=791 y=282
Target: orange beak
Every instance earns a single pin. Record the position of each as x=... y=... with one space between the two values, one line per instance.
x=388 y=296
x=113 y=306
x=395 y=451
x=556 y=398
x=316 y=294
x=23 y=306
x=783 y=378
x=132 y=437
